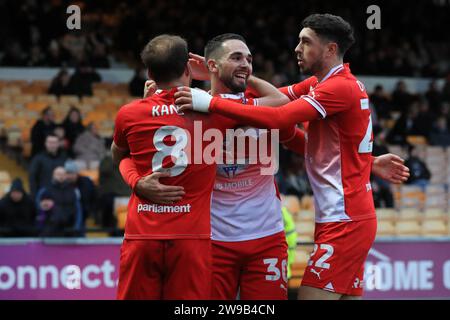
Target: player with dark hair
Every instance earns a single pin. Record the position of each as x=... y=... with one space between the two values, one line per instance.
x=337 y=153
x=157 y=260
x=245 y=252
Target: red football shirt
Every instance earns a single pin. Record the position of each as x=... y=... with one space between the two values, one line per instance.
x=338 y=141
x=161 y=139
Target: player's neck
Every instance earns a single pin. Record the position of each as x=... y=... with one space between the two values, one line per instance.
x=218 y=87
x=324 y=71
x=170 y=85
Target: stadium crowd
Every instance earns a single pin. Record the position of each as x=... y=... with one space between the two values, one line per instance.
x=60 y=149
x=111 y=33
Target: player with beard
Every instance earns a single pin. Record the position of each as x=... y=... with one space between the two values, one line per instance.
x=249 y=247
x=338 y=154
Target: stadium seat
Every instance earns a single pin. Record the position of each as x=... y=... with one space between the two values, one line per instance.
x=385 y=228
x=298 y=267
x=436 y=214
x=37 y=105
x=93 y=174
x=292 y=203
x=70 y=99
x=416 y=140
x=386 y=214
x=436 y=197
x=11 y=90
x=305 y=215
x=47 y=98
x=410 y=228
x=307 y=202
x=398 y=150
x=305 y=231
x=435 y=228
x=410 y=214
x=91 y=100
x=411 y=197
x=120 y=211
x=23 y=98
x=5 y=177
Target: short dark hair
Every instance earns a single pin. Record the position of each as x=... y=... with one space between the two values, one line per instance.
x=332 y=28
x=165 y=57
x=213 y=45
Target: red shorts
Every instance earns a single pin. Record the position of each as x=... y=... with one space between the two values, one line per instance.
x=340 y=250
x=254 y=268
x=165 y=269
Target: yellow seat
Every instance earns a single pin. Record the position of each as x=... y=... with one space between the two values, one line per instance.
x=120 y=211
x=305 y=230
x=305 y=215
x=410 y=214
x=435 y=228
x=5 y=177
x=37 y=105
x=93 y=174
x=410 y=228
x=386 y=228
x=386 y=214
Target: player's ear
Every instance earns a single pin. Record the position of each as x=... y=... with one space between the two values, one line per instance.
x=211 y=64
x=187 y=70
x=332 y=49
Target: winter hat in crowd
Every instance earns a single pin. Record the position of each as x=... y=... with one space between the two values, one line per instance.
x=17 y=185
x=71 y=166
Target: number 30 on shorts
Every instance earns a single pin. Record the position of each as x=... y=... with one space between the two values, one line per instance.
x=321 y=262
x=274 y=272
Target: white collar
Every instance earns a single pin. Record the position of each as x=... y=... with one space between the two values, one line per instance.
x=333 y=70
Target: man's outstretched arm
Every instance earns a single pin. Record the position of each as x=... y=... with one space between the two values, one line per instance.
x=261 y=117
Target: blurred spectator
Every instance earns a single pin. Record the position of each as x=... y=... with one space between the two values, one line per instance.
x=425 y=119
x=381 y=101
x=43 y=164
x=440 y=134
x=294 y=179
x=57 y=57
x=446 y=89
x=419 y=173
x=64 y=144
x=59 y=207
x=82 y=79
x=401 y=98
x=111 y=185
x=60 y=84
x=136 y=85
x=14 y=55
x=43 y=127
x=73 y=125
x=434 y=97
x=406 y=125
x=17 y=212
x=381 y=189
x=403 y=48
x=36 y=58
x=87 y=189
x=89 y=146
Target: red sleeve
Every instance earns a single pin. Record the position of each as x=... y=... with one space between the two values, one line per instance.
x=119 y=136
x=129 y=172
x=282 y=117
x=251 y=93
x=297 y=142
x=331 y=97
x=295 y=91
